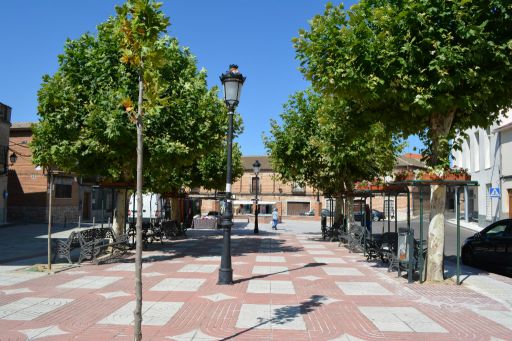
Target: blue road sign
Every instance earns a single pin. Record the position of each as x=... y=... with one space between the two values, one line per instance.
x=494 y=192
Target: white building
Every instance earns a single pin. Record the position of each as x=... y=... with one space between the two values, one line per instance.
x=487 y=155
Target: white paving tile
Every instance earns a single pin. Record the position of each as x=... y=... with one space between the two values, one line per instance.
x=179 y=284
x=501 y=317
x=320 y=252
x=270 y=259
x=90 y=282
x=401 y=319
x=270 y=269
x=310 y=278
x=194 y=335
x=265 y=316
x=11 y=278
x=29 y=308
x=208 y=258
x=363 y=288
x=218 y=297
x=270 y=287
x=152 y=274
x=113 y=294
x=16 y=291
x=127 y=267
x=153 y=313
x=329 y=260
x=203 y=268
x=33 y=334
x=347 y=337
x=341 y=271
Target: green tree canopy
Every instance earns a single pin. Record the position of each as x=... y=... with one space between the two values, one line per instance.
x=87 y=113
x=423 y=67
x=327 y=148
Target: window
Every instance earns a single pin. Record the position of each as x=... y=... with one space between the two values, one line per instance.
x=63 y=191
x=297 y=208
x=4 y=151
x=5 y=113
x=476 y=152
x=466 y=152
x=255 y=183
x=487 y=148
x=297 y=188
x=496 y=231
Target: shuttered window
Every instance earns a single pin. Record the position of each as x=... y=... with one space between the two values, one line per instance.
x=488 y=203
x=297 y=208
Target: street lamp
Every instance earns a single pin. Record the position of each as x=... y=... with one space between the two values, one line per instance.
x=256 y=167
x=13 y=158
x=232 y=82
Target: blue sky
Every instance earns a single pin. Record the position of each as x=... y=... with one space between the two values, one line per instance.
x=256 y=35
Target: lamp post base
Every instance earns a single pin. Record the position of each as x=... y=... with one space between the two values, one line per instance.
x=225 y=277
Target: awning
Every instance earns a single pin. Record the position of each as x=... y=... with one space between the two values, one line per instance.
x=250 y=202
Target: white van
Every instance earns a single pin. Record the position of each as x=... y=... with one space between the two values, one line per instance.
x=150 y=207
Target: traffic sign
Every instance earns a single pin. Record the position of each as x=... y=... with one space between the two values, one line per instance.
x=494 y=192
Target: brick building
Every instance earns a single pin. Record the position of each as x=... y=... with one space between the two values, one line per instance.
x=28 y=185
x=5 y=124
x=292 y=200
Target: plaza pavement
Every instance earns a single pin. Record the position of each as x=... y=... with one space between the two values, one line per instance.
x=289 y=285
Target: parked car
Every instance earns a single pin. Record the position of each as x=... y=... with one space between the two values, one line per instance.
x=376 y=215
x=309 y=213
x=326 y=213
x=490 y=248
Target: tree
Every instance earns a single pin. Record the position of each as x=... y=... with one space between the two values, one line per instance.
x=432 y=68
x=327 y=148
x=128 y=76
x=87 y=116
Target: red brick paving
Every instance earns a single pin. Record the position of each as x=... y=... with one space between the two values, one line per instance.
x=451 y=307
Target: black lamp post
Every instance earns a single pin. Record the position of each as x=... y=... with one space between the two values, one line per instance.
x=232 y=82
x=256 y=167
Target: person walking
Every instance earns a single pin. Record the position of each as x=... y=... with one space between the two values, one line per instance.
x=275 y=218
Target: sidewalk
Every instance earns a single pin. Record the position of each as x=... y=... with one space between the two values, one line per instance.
x=289 y=285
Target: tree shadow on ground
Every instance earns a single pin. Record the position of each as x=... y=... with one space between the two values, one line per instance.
x=285 y=314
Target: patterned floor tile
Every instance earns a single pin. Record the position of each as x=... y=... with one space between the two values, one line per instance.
x=329 y=260
x=501 y=317
x=179 y=284
x=270 y=259
x=202 y=268
x=194 y=335
x=153 y=313
x=90 y=282
x=269 y=269
x=363 y=288
x=401 y=319
x=270 y=287
x=33 y=334
x=341 y=271
x=29 y=308
x=265 y=316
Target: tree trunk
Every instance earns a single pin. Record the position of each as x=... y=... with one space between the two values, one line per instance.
x=440 y=125
x=175 y=209
x=435 y=264
x=119 y=221
x=138 y=249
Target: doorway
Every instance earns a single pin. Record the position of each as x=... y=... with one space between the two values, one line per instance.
x=86 y=207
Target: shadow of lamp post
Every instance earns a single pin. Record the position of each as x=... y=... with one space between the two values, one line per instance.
x=232 y=82
x=256 y=167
